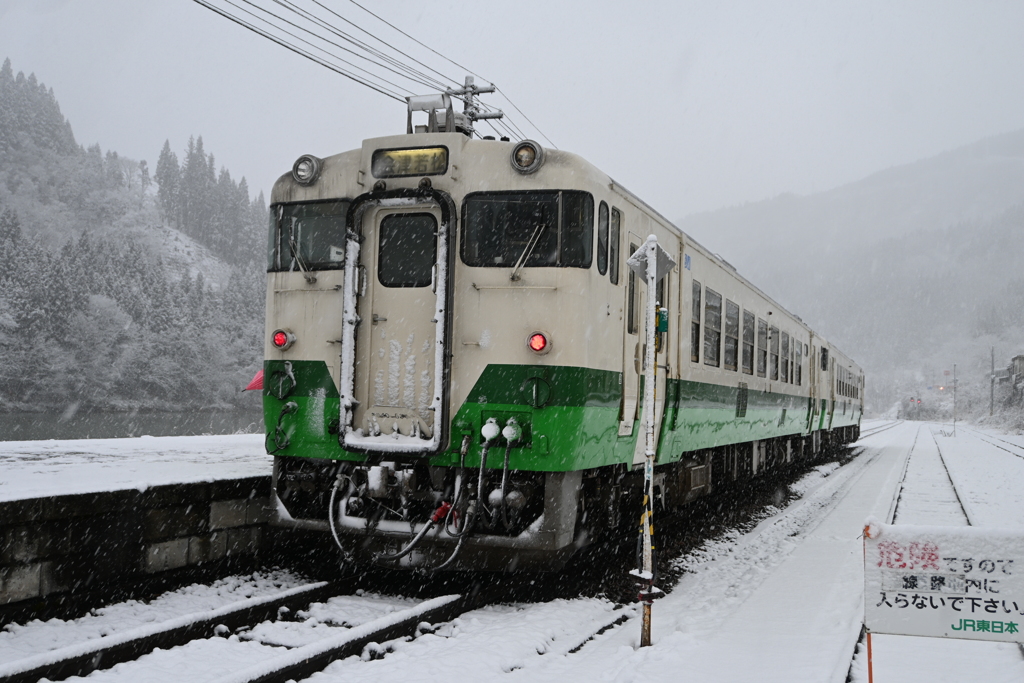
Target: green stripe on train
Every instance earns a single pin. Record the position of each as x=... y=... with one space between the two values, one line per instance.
x=570 y=416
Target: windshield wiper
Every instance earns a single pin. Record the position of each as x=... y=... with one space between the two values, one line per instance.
x=310 y=278
x=530 y=246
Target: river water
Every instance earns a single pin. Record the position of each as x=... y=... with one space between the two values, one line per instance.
x=81 y=425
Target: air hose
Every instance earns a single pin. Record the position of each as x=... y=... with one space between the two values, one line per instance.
x=439 y=514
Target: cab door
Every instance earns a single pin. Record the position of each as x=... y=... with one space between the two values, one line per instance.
x=399 y=338
x=634 y=355
x=632 y=342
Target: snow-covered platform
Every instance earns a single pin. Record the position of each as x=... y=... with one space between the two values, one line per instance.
x=36 y=469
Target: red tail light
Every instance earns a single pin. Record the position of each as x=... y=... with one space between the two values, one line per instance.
x=282 y=339
x=538 y=342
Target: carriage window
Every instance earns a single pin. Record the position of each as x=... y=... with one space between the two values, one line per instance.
x=773 y=353
x=798 y=366
x=632 y=315
x=602 y=239
x=695 y=324
x=613 y=247
x=307 y=236
x=732 y=334
x=824 y=360
x=408 y=250
x=748 y=342
x=762 y=347
x=785 y=357
x=712 y=327
x=544 y=229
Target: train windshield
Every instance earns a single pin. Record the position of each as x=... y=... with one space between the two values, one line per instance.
x=307 y=236
x=554 y=229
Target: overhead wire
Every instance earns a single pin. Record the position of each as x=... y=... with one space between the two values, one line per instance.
x=451 y=61
x=316 y=35
x=384 y=42
x=285 y=44
x=416 y=75
x=505 y=126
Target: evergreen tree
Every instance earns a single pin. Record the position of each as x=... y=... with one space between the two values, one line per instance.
x=168 y=180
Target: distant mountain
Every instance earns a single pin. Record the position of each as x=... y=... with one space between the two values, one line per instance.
x=909 y=270
x=971 y=183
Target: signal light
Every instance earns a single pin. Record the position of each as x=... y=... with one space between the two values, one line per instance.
x=538 y=342
x=282 y=339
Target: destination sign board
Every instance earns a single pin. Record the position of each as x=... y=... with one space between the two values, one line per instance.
x=944 y=582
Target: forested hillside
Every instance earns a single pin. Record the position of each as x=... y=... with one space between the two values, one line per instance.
x=117 y=292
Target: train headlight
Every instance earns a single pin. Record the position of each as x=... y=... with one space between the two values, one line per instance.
x=282 y=339
x=527 y=156
x=539 y=343
x=306 y=169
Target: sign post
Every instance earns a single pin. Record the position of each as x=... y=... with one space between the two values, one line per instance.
x=652 y=263
x=943 y=582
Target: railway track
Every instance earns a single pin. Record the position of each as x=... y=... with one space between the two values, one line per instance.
x=92 y=655
x=878 y=429
x=1009 y=447
x=962 y=506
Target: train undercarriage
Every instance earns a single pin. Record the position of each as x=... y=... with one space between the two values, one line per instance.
x=413 y=515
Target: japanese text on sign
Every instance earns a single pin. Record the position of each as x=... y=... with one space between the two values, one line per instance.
x=944 y=582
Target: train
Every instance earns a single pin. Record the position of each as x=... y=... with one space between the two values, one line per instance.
x=453 y=374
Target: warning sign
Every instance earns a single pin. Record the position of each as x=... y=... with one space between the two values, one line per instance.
x=944 y=582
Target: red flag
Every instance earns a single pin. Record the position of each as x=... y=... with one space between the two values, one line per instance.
x=257 y=383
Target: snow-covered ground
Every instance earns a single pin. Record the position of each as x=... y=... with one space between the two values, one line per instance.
x=31 y=469
x=782 y=601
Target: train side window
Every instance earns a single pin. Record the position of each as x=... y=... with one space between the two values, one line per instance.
x=613 y=247
x=785 y=357
x=798 y=366
x=632 y=317
x=824 y=359
x=712 y=327
x=748 y=343
x=762 y=347
x=773 y=352
x=695 y=324
x=732 y=334
x=602 y=239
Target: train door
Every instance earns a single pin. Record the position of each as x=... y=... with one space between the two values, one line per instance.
x=632 y=345
x=812 y=385
x=831 y=391
x=400 y=286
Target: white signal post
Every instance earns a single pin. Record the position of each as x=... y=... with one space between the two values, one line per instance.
x=652 y=263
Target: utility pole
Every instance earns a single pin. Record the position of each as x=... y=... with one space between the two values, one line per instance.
x=992 y=385
x=470 y=110
x=954 y=399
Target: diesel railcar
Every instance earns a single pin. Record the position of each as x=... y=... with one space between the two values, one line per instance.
x=454 y=351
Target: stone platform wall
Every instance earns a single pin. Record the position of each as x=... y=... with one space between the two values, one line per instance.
x=67 y=550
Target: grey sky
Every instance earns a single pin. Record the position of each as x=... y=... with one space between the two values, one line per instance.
x=693 y=105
